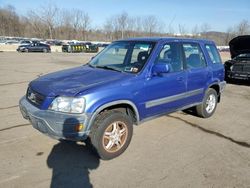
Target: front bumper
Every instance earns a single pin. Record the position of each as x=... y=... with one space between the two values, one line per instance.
x=54 y=124
x=238 y=75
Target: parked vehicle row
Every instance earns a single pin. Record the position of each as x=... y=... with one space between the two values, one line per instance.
x=36 y=46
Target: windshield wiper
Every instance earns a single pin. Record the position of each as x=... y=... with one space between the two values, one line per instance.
x=108 y=68
x=90 y=65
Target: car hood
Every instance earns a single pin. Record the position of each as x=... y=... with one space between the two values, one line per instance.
x=70 y=82
x=239 y=45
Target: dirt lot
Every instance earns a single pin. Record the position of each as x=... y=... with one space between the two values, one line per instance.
x=177 y=150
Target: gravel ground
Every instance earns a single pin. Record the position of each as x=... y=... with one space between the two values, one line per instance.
x=176 y=150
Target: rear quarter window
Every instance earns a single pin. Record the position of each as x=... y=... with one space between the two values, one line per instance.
x=213 y=53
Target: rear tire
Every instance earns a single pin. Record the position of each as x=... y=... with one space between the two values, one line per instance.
x=111 y=134
x=45 y=50
x=209 y=104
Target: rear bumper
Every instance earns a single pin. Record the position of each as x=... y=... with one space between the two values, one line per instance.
x=54 y=124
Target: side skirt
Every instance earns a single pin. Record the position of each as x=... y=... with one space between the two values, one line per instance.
x=171 y=111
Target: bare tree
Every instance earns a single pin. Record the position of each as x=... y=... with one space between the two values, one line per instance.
x=130 y=29
x=36 y=25
x=85 y=24
x=204 y=29
x=109 y=29
x=150 y=25
x=122 y=21
x=195 y=31
x=170 y=25
x=138 y=24
x=182 y=29
x=65 y=26
x=230 y=34
x=47 y=15
x=10 y=22
x=50 y=22
x=243 y=28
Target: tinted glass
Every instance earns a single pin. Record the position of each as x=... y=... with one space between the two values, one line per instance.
x=193 y=56
x=127 y=56
x=213 y=53
x=170 y=54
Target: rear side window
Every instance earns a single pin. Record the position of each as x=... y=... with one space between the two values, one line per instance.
x=193 y=56
x=213 y=53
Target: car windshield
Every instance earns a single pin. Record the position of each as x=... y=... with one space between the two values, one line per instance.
x=123 y=56
x=243 y=56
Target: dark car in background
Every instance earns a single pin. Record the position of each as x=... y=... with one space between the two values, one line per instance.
x=54 y=42
x=26 y=42
x=34 y=47
x=238 y=68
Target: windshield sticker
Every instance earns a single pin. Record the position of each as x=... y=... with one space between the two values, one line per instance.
x=128 y=69
x=135 y=69
x=131 y=69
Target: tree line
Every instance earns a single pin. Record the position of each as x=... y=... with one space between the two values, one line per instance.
x=50 y=22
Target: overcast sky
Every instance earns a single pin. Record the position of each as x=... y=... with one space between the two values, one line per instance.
x=219 y=14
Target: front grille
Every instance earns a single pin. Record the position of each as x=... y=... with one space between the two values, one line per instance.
x=35 y=97
x=246 y=68
x=241 y=67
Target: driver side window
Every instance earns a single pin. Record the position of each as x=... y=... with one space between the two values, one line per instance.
x=170 y=54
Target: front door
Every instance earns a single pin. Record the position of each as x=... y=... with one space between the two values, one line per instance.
x=166 y=92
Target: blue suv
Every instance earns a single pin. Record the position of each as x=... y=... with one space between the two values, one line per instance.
x=127 y=83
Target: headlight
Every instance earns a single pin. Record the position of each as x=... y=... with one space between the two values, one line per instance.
x=231 y=67
x=68 y=104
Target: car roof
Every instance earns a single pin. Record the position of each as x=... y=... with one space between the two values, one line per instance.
x=166 y=39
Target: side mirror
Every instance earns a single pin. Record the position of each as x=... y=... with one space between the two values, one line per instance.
x=160 y=68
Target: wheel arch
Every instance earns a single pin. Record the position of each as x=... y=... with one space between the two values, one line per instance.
x=122 y=105
x=216 y=87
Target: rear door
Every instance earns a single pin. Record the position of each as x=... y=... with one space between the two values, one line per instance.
x=197 y=71
x=40 y=47
x=215 y=62
x=32 y=47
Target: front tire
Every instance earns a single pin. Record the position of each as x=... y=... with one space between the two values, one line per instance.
x=209 y=104
x=111 y=134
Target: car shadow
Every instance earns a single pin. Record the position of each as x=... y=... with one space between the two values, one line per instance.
x=71 y=163
x=190 y=111
x=239 y=82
